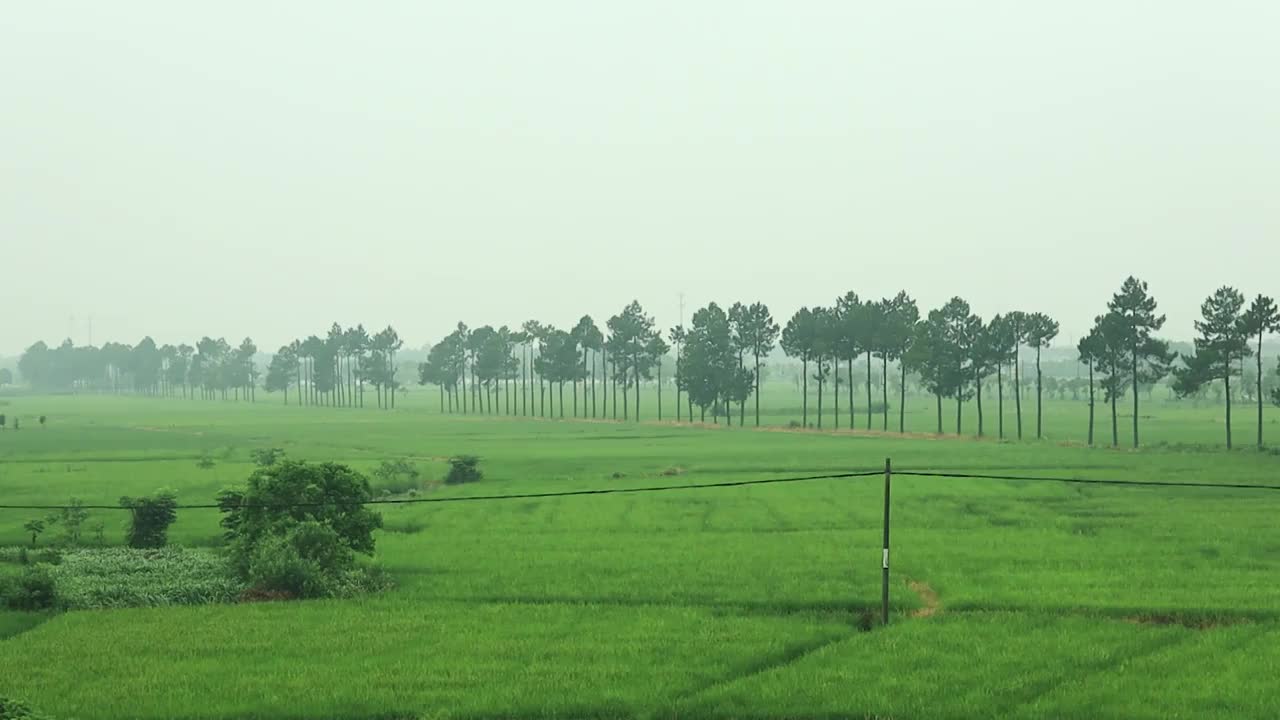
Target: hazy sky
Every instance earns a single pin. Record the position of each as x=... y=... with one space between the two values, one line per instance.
x=266 y=168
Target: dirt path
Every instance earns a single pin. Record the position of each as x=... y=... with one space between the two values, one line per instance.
x=928 y=596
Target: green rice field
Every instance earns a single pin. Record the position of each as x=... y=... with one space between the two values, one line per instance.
x=1010 y=599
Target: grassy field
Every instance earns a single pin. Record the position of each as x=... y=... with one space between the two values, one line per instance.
x=1011 y=599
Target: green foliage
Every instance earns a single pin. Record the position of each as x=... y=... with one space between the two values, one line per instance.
x=205 y=462
x=711 y=369
x=11 y=709
x=289 y=493
x=32 y=589
x=397 y=476
x=71 y=519
x=34 y=527
x=124 y=577
x=150 y=518
x=463 y=469
x=266 y=457
x=308 y=560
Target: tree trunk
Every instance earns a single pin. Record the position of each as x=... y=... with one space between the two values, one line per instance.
x=1039 y=396
x=1115 y=423
x=1017 y=385
x=868 y=389
x=820 y=381
x=835 y=393
x=1090 y=403
x=1259 y=390
x=902 y=398
x=1135 y=396
x=1226 y=379
x=659 y=390
x=981 y=428
x=637 y=366
x=626 y=398
x=849 y=367
x=884 y=388
x=758 y=390
x=1000 y=398
x=938 y=396
x=804 y=388
x=679 y=375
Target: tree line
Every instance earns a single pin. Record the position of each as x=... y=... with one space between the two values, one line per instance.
x=950 y=351
x=331 y=370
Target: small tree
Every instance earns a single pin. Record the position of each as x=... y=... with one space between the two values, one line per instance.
x=2 y=421
x=266 y=457
x=282 y=496
x=35 y=527
x=398 y=475
x=42 y=420
x=72 y=518
x=150 y=518
x=463 y=469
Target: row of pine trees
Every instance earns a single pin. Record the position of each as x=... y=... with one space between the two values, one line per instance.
x=950 y=352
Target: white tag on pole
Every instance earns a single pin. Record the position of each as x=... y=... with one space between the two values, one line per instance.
x=886 y=558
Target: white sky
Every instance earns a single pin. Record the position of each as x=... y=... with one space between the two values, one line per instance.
x=266 y=168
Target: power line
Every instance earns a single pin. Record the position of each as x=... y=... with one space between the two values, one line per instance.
x=469 y=498
x=1087 y=481
x=664 y=488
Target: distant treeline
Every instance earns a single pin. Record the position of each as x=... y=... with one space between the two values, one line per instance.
x=950 y=352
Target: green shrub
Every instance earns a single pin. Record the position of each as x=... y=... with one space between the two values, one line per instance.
x=309 y=561
x=205 y=463
x=397 y=476
x=305 y=561
x=22 y=556
x=16 y=710
x=265 y=522
x=71 y=518
x=149 y=519
x=266 y=457
x=463 y=469
x=33 y=589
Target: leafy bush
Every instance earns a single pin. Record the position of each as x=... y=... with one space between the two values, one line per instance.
x=308 y=561
x=305 y=561
x=15 y=710
x=266 y=457
x=397 y=476
x=149 y=519
x=33 y=589
x=124 y=577
x=205 y=462
x=463 y=469
x=15 y=554
x=71 y=518
x=35 y=527
x=297 y=526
